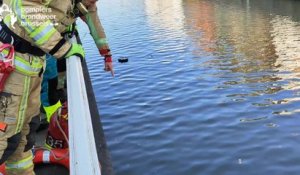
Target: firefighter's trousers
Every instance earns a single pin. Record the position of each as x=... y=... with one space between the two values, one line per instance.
x=19 y=110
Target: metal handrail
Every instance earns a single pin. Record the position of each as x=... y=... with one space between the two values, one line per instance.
x=83 y=153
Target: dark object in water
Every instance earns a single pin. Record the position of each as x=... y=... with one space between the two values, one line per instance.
x=123 y=60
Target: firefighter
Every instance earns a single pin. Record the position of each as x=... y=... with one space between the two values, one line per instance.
x=37 y=31
x=53 y=93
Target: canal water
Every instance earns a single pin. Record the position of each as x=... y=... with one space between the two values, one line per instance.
x=211 y=86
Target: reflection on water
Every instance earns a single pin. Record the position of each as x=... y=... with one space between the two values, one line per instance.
x=286 y=39
x=203 y=24
x=158 y=14
x=211 y=87
x=264 y=47
x=242 y=39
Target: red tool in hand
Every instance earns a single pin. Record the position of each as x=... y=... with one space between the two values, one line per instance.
x=6 y=63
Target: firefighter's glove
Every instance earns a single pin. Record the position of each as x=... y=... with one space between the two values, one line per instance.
x=76 y=49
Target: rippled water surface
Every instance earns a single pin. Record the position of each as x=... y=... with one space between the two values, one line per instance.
x=211 y=86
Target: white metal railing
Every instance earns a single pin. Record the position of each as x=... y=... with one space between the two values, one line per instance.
x=83 y=153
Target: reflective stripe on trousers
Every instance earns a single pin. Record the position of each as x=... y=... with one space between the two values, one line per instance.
x=20 y=165
x=32 y=68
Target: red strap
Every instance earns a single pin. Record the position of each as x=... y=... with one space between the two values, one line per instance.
x=11 y=50
x=104 y=52
x=108 y=59
x=3 y=126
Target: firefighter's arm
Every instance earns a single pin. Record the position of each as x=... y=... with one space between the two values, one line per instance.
x=40 y=28
x=92 y=20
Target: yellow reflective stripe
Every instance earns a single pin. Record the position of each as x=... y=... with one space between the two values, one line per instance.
x=23 y=104
x=50 y=110
x=17 y=7
x=35 y=65
x=101 y=41
x=25 y=67
x=39 y=34
x=47 y=36
x=7 y=20
x=22 y=164
x=48 y=146
x=69 y=28
x=42 y=30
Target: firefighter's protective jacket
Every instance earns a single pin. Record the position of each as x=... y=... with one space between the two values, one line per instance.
x=41 y=22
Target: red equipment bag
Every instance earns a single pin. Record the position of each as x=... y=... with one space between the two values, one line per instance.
x=7 y=56
x=2 y=169
x=58 y=134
